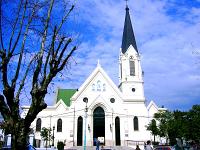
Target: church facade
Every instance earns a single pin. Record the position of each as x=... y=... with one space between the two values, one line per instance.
x=116 y=115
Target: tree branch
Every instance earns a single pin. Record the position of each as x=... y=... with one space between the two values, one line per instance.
x=4 y=108
x=64 y=19
x=4 y=69
x=22 y=49
x=1 y=34
x=66 y=59
x=15 y=23
x=20 y=30
x=63 y=50
x=50 y=52
x=41 y=53
x=24 y=78
x=58 y=48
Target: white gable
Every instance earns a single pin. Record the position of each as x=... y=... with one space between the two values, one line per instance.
x=97 y=83
x=152 y=108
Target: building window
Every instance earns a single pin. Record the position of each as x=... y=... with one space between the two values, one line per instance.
x=38 y=124
x=79 y=131
x=93 y=87
x=135 y=123
x=104 y=87
x=133 y=89
x=59 y=125
x=117 y=132
x=121 y=70
x=98 y=85
x=132 y=68
x=112 y=100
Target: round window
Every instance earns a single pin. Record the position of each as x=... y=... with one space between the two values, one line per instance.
x=112 y=100
x=133 y=89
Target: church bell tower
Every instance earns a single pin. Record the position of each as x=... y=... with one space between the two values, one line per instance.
x=130 y=72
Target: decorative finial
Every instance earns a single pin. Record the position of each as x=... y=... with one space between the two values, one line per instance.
x=98 y=63
x=126 y=4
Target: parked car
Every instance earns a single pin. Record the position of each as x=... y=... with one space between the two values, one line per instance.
x=163 y=147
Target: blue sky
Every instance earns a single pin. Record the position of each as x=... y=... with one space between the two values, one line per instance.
x=167 y=34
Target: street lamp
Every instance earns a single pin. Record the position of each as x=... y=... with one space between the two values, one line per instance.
x=85 y=100
x=53 y=136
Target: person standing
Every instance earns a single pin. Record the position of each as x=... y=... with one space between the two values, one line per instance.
x=148 y=146
x=97 y=144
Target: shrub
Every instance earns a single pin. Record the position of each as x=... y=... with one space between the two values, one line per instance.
x=60 y=145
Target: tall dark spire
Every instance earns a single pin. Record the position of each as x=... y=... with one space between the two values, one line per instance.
x=128 y=34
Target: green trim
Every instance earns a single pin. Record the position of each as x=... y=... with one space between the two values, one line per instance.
x=65 y=95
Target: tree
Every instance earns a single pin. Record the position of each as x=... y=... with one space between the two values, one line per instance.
x=34 y=49
x=193 y=123
x=170 y=125
x=153 y=128
x=177 y=126
x=163 y=118
x=46 y=135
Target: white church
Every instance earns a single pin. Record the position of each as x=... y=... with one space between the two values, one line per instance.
x=115 y=114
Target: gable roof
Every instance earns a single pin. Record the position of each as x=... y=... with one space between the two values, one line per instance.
x=96 y=71
x=65 y=95
x=152 y=104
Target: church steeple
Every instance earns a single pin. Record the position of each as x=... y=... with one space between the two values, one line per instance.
x=128 y=34
x=130 y=71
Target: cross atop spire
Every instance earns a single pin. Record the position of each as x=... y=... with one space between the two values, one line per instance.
x=126 y=3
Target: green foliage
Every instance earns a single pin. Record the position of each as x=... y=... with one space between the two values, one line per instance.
x=153 y=128
x=60 y=145
x=178 y=124
x=163 y=118
x=46 y=134
x=193 y=123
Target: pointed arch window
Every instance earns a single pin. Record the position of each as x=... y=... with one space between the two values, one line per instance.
x=135 y=123
x=132 y=67
x=98 y=85
x=117 y=131
x=93 y=87
x=38 y=124
x=59 y=125
x=104 y=87
x=79 y=131
x=121 y=70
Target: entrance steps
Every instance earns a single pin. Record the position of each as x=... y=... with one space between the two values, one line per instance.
x=104 y=148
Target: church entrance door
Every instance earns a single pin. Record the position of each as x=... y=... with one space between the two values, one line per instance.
x=98 y=124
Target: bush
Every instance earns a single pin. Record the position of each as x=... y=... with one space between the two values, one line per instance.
x=60 y=145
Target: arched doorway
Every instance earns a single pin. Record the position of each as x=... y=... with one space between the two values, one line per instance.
x=79 y=131
x=98 y=123
x=117 y=132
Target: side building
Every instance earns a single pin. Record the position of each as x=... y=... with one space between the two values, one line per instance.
x=117 y=115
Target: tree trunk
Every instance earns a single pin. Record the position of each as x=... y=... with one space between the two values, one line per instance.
x=19 y=137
